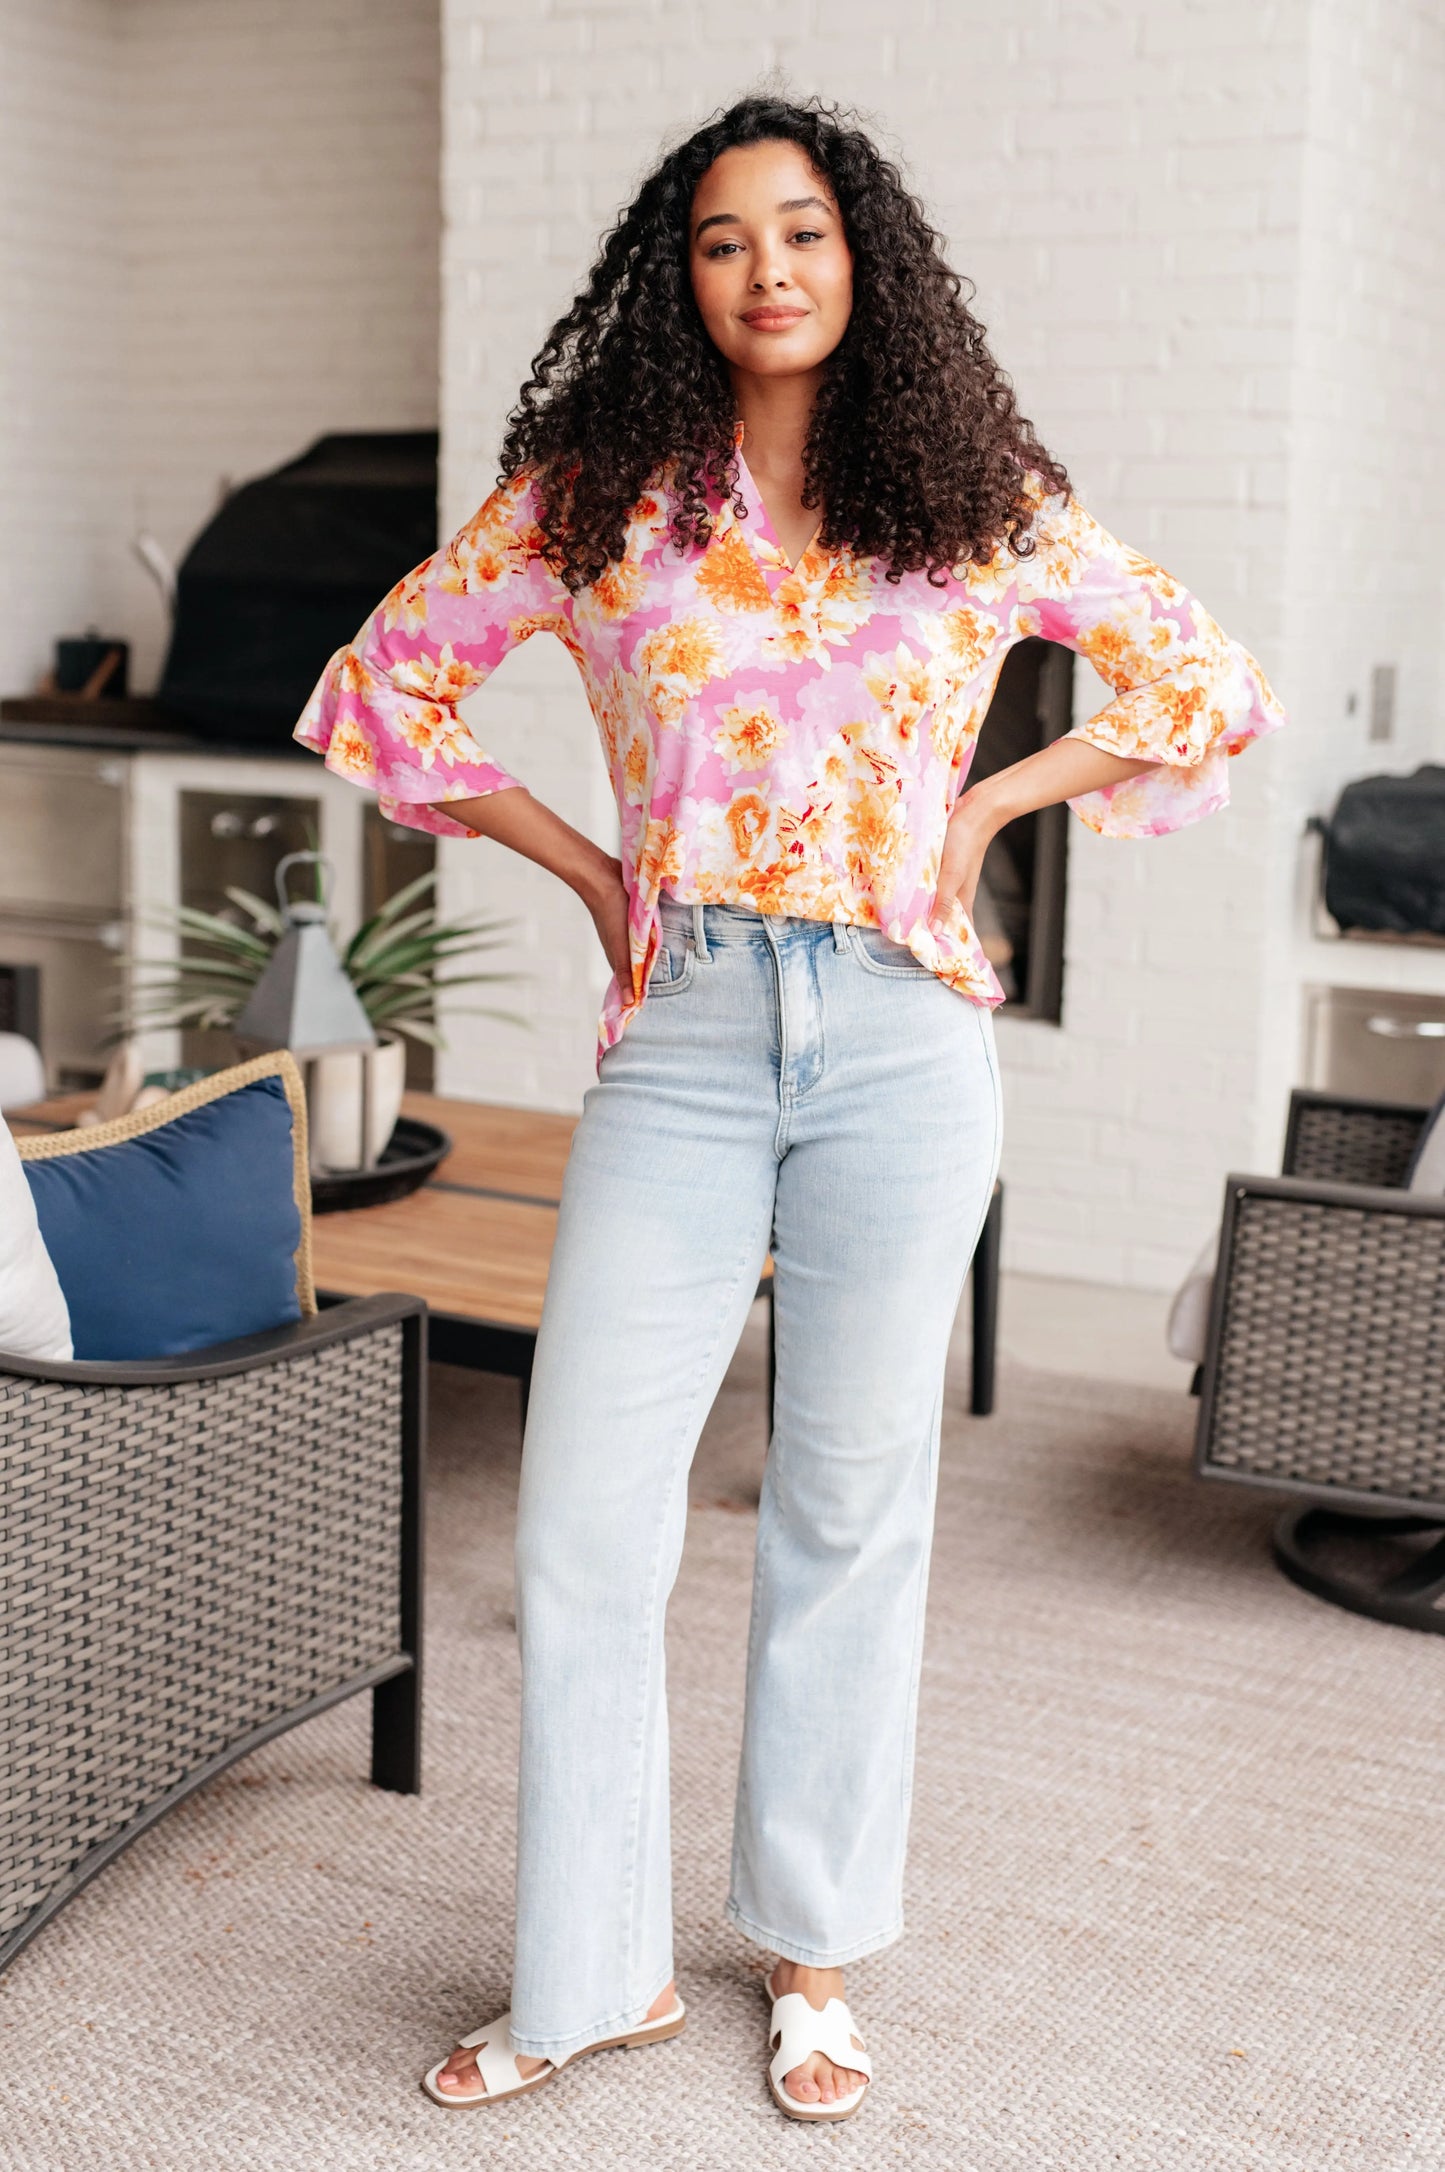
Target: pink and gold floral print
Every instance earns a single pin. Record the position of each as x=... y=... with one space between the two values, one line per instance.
x=788 y=738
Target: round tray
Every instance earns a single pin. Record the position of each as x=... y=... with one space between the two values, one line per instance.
x=410 y=1155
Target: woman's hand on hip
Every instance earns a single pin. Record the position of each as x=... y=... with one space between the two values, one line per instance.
x=1066 y=769
x=604 y=893
x=515 y=819
x=971 y=830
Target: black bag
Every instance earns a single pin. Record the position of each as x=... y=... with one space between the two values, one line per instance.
x=1385 y=854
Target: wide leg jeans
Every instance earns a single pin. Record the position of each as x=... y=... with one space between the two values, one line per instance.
x=808 y=1088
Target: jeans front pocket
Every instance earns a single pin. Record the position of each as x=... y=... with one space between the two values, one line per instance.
x=875 y=951
x=673 y=967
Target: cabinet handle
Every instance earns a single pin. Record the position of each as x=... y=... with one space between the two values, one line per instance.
x=1406 y=1029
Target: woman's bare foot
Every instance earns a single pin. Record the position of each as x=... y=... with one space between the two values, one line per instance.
x=817 y=2080
x=460 y=2072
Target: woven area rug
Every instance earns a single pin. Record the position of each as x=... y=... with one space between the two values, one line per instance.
x=1177 y=1841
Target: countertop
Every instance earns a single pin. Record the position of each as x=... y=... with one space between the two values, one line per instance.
x=133 y=726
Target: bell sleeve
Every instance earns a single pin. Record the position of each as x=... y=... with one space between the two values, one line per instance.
x=1188 y=698
x=384 y=712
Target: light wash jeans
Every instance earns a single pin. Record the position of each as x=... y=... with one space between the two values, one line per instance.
x=809 y=1088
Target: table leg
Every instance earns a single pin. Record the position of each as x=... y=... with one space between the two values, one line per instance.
x=396 y=1733
x=986 y=1264
x=772 y=1359
x=396 y=1702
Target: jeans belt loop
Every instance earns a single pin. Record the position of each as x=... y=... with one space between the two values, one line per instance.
x=699 y=932
x=840 y=935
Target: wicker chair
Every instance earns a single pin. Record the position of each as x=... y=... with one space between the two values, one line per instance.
x=1324 y=1375
x=194 y=1555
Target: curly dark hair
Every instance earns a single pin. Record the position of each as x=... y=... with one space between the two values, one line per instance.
x=916 y=452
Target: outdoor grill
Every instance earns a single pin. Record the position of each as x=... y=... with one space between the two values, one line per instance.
x=285 y=573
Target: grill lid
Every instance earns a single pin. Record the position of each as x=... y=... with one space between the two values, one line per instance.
x=286 y=572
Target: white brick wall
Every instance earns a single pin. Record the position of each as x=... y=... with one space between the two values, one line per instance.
x=1365 y=578
x=219 y=236
x=59 y=320
x=281 y=225
x=1123 y=185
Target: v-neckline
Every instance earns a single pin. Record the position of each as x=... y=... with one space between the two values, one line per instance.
x=763 y=524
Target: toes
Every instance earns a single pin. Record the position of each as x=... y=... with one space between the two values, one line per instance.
x=820 y=2082
x=463 y=2077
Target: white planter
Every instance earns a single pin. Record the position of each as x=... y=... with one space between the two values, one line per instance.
x=334 y=1104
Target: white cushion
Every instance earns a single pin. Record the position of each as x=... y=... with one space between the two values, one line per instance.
x=1188 y=1330
x=22 y=1074
x=1427 y=1166
x=34 y=1321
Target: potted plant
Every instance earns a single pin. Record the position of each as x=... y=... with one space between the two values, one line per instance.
x=399 y=962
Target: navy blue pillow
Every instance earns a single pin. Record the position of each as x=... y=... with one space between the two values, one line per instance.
x=185 y=1230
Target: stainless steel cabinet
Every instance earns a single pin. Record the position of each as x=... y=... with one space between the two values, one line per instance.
x=1377 y=1044
x=98 y=846
x=62 y=895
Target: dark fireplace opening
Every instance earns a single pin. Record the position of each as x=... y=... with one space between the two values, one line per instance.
x=1019 y=912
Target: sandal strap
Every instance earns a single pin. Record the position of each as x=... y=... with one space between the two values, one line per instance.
x=798 y=2030
x=496 y=2056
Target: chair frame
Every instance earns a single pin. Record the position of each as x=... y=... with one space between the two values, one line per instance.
x=393 y=1678
x=1380 y=1485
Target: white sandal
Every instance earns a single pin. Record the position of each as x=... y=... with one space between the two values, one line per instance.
x=795 y=2032
x=502 y=2077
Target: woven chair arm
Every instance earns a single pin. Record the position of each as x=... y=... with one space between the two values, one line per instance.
x=335 y=1323
x=1349 y=1141
x=1325 y=1367
x=1369 y=1199
x=194 y=1555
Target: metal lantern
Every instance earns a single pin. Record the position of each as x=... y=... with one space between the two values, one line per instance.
x=305 y=1002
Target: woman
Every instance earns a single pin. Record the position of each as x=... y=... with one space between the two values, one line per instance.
x=769 y=487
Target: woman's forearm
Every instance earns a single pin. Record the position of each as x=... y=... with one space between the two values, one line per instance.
x=525 y=825
x=514 y=818
x=1066 y=770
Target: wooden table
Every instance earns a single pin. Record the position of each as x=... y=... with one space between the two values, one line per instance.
x=476 y=1241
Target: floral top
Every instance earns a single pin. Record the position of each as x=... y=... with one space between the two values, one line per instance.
x=787 y=739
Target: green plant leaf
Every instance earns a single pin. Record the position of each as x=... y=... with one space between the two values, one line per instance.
x=420 y=1001
x=416 y=954
x=360 y=959
x=417 y=928
x=416 y=1029
x=387 y=913
x=398 y=960
x=419 y=949
x=264 y=915
x=401 y=899
x=215 y=928
x=195 y=971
